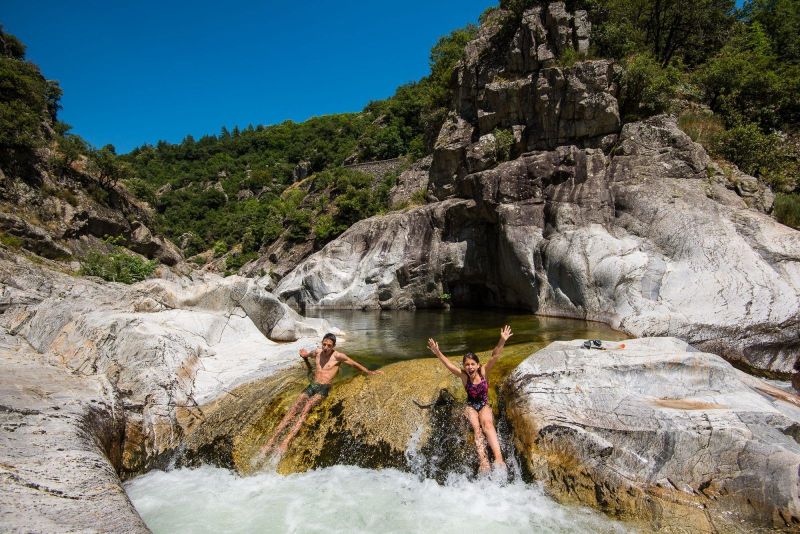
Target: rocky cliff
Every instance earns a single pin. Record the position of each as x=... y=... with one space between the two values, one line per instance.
x=633 y=225
x=63 y=215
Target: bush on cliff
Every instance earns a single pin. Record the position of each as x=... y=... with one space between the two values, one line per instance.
x=787 y=209
x=758 y=154
x=646 y=87
x=119 y=265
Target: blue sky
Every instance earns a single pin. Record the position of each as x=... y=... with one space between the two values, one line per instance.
x=137 y=72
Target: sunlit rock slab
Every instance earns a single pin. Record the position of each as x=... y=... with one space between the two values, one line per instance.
x=659 y=432
x=60 y=441
x=164 y=345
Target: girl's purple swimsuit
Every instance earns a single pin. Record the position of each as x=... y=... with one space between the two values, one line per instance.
x=477 y=394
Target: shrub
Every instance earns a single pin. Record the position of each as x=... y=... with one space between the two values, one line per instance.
x=11 y=241
x=117 y=266
x=787 y=209
x=273 y=227
x=569 y=57
x=235 y=261
x=220 y=247
x=325 y=228
x=98 y=193
x=298 y=224
x=504 y=140
x=748 y=148
x=420 y=196
x=646 y=88
x=703 y=128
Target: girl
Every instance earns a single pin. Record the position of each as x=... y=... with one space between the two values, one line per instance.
x=478 y=412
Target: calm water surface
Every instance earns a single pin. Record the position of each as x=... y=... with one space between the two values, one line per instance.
x=351 y=499
x=377 y=338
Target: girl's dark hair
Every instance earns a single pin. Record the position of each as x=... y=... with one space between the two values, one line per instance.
x=470 y=356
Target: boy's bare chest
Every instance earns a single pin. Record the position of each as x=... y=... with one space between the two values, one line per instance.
x=326 y=363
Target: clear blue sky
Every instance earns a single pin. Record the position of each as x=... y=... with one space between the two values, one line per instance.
x=137 y=72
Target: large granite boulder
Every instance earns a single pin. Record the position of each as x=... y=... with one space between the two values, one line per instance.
x=651 y=238
x=99 y=379
x=376 y=262
x=510 y=79
x=165 y=345
x=661 y=433
x=143 y=241
x=60 y=446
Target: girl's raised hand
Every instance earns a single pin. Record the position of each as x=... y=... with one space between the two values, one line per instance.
x=433 y=346
x=505 y=333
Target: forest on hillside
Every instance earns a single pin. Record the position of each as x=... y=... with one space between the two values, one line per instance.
x=731 y=75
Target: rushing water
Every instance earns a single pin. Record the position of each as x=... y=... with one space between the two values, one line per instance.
x=349 y=500
x=352 y=499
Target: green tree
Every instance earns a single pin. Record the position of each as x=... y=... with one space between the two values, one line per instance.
x=10 y=46
x=669 y=29
x=746 y=82
x=108 y=168
x=25 y=100
x=781 y=21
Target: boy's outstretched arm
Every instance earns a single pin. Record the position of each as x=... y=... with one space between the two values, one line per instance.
x=305 y=355
x=344 y=358
x=505 y=333
x=434 y=347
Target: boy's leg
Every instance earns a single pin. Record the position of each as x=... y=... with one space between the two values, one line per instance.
x=296 y=407
x=300 y=420
x=480 y=443
x=487 y=424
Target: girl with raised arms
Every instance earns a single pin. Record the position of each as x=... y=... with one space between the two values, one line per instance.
x=477 y=411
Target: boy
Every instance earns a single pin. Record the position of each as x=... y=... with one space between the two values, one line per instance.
x=326 y=362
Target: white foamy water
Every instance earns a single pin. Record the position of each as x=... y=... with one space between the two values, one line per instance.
x=349 y=499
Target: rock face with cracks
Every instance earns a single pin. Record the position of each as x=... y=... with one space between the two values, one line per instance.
x=659 y=432
x=60 y=441
x=126 y=374
x=648 y=239
x=632 y=225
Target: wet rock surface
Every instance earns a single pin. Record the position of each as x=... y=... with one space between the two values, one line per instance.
x=409 y=418
x=661 y=433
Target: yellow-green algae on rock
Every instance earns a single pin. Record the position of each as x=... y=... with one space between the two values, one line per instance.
x=220 y=431
x=372 y=421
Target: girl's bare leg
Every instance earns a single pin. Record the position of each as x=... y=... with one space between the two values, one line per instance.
x=300 y=420
x=487 y=424
x=296 y=407
x=480 y=443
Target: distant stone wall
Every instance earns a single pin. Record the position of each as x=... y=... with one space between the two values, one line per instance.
x=378 y=169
